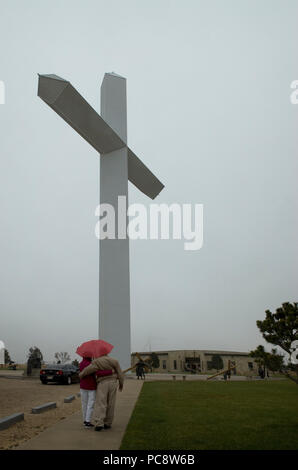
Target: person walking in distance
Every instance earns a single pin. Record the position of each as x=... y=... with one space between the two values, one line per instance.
x=103 y=413
x=140 y=370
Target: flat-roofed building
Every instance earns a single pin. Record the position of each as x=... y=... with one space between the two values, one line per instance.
x=204 y=361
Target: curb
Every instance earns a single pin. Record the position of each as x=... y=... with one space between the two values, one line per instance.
x=9 y=420
x=45 y=407
x=69 y=399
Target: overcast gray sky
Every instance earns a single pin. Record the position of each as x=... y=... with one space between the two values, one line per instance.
x=208 y=86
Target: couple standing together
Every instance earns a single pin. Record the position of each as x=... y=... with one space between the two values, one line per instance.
x=98 y=386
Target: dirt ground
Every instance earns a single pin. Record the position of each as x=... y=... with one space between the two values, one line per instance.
x=20 y=396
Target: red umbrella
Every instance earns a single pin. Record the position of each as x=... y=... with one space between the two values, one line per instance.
x=94 y=348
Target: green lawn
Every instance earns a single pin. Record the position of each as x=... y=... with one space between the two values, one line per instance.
x=214 y=415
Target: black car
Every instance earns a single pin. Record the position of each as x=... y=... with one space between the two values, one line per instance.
x=60 y=373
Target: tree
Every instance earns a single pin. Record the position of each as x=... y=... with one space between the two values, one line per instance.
x=34 y=359
x=272 y=361
x=7 y=358
x=216 y=362
x=259 y=356
x=154 y=360
x=281 y=328
x=62 y=357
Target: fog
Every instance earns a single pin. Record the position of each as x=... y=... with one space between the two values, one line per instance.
x=209 y=112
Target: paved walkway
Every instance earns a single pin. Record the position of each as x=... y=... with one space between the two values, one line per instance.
x=70 y=434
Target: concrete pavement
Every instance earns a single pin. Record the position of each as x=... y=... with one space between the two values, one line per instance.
x=70 y=434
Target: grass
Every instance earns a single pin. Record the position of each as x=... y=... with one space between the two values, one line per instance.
x=214 y=415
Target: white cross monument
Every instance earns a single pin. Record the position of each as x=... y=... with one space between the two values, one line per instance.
x=118 y=164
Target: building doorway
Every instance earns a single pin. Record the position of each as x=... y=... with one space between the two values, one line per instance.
x=192 y=364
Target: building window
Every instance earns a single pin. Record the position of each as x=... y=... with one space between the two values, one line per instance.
x=164 y=364
x=175 y=364
x=250 y=366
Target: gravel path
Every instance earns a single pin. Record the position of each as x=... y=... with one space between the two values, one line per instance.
x=19 y=396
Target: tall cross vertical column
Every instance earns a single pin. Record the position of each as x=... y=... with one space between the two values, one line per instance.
x=118 y=164
x=114 y=283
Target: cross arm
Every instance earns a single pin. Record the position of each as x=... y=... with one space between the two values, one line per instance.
x=63 y=98
x=142 y=177
x=66 y=101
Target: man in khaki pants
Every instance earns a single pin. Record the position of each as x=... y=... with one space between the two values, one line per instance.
x=103 y=413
